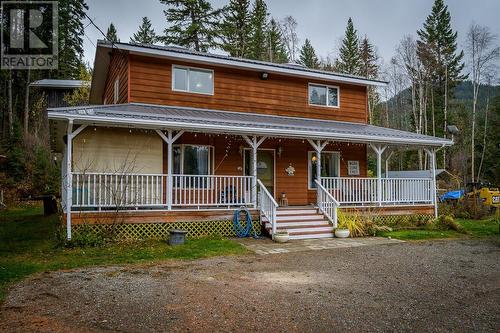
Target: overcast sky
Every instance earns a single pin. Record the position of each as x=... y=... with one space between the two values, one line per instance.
x=385 y=22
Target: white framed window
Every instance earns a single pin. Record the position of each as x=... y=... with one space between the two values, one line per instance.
x=330 y=166
x=192 y=159
x=193 y=80
x=116 y=90
x=324 y=95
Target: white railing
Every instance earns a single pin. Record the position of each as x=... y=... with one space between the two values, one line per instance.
x=139 y=191
x=211 y=190
x=407 y=190
x=118 y=190
x=363 y=191
x=327 y=204
x=350 y=190
x=268 y=206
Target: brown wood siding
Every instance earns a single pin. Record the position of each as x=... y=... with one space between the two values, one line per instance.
x=154 y=217
x=238 y=90
x=228 y=160
x=118 y=68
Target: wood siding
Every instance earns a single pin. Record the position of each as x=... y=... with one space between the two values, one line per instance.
x=154 y=216
x=228 y=160
x=118 y=68
x=238 y=90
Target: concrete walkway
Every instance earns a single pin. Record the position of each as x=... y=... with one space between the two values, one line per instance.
x=267 y=246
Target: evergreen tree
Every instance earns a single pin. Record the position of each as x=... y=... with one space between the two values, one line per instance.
x=193 y=24
x=111 y=34
x=437 y=50
x=368 y=59
x=275 y=47
x=71 y=30
x=369 y=69
x=145 y=34
x=259 y=28
x=307 y=56
x=236 y=28
x=349 y=59
x=437 y=45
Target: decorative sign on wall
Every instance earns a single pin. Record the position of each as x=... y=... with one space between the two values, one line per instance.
x=353 y=168
x=290 y=170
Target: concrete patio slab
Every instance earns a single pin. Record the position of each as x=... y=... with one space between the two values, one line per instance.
x=265 y=246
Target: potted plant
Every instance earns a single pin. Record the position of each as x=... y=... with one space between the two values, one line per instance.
x=281 y=236
x=342 y=230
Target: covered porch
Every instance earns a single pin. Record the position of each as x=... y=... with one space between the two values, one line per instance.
x=256 y=161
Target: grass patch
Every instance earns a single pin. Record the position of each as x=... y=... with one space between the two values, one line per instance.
x=471 y=229
x=27 y=246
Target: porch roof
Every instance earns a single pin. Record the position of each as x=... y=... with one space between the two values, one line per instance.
x=207 y=120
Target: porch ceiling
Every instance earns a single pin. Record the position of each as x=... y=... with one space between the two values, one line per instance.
x=216 y=121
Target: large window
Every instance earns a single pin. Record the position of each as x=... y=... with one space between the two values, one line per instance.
x=330 y=165
x=192 y=160
x=323 y=95
x=193 y=80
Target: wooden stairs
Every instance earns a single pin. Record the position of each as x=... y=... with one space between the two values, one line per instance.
x=302 y=223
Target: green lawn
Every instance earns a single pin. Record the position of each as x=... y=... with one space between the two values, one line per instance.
x=27 y=246
x=472 y=229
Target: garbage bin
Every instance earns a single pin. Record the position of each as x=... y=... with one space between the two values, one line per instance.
x=177 y=237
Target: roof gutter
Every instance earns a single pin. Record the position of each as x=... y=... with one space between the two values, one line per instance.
x=300 y=134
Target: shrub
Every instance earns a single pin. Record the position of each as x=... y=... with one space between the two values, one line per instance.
x=446 y=222
x=352 y=221
x=83 y=237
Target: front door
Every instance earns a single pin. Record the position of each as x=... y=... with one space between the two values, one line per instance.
x=265 y=167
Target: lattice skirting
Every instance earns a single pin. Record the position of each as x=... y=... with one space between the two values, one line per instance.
x=197 y=229
x=401 y=220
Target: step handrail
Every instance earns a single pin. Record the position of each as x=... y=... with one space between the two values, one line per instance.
x=327 y=204
x=267 y=206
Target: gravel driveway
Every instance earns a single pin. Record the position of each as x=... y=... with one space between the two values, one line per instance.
x=424 y=286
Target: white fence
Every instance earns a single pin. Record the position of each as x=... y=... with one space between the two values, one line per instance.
x=126 y=191
x=364 y=191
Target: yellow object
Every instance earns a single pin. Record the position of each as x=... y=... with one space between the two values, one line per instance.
x=490 y=196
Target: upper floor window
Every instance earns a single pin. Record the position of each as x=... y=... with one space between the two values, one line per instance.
x=323 y=95
x=195 y=80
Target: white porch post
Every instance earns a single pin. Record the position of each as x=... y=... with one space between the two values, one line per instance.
x=387 y=164
x=70 y=135
x=318 y=147
x=254 y=143
x=69 y=177
x=379 y=150
x=169 y=139
x=432 y=156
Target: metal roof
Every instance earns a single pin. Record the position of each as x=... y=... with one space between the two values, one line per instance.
x=61 y=84
x=206 y=120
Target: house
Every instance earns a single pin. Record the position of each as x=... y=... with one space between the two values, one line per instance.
x=55 y=89
x=179 y=138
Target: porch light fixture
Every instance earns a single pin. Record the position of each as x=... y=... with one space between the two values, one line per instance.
x=452 y=129
x=264 y=75
x=280 y=151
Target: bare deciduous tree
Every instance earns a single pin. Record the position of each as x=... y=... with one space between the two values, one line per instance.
x=482 y=52
x=408 y=59
x=288 y=27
